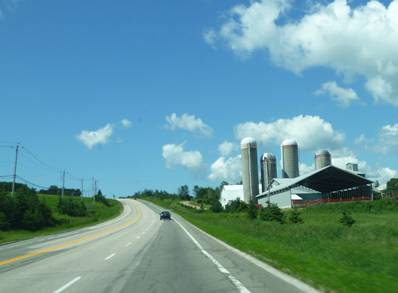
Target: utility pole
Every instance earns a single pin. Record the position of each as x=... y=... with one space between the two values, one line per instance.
x=14 y=177
x=63 y=184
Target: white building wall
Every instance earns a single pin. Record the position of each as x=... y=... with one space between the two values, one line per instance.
x=282 y=199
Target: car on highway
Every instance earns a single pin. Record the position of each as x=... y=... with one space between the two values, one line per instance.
x=165 y=215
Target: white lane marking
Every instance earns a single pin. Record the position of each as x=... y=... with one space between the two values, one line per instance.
x=219 y=266
x=128 y=244
x=67 y=285
x=110 y=256
x=266 y=267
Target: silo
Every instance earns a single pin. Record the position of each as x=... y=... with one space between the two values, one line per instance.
x=248 y=148
x=322 y=159
x=268 y=170
x=290 y=166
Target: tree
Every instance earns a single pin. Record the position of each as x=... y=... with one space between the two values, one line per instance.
x=295 y=216
x=235 y=206
x=272 y=213
x=392 y=187
x=217 y=207
x=183 y=192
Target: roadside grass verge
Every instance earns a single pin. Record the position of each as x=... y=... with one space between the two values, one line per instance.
x=321 y=251
x=97 y=213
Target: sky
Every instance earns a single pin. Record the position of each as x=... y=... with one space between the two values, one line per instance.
x=157 y=94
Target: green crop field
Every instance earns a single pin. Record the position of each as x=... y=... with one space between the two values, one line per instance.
x=97 y=213
x=321 y=251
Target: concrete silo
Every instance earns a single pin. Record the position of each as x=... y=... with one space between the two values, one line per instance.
x=248 y=148
x=268 y=170
x=290 y=165
x=322 y=159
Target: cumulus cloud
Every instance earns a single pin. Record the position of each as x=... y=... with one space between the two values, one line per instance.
x=188 y=122
x=305 y=169
x=311 y=132
x=343 y=96
x=226 y=169
x=355 y=41
x=226 y=148
x=382 y=174
x=386 y=141
x=126 y=123
x=210 y=37
x=175 y=155
x=92 y=138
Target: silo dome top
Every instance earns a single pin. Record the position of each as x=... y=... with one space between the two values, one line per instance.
x=322 y=153
x=247 y=141
x=289 y=142
x=268 y=156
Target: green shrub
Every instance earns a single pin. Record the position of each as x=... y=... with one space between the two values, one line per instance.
x=252 y=210
x=347 y=219
x=216 y=207
x=295 y=216
x=100 y=198
x=236 y=206
x=24 y=211
x=72 y=207
x=272 y=213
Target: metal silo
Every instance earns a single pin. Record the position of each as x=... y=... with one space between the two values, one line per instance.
x=268 y=170
x=248 y=148
x=290 y=165
x=322 y=159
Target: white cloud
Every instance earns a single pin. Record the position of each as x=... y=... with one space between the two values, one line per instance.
x=343 y=156
x=175 y=155
x=381 y=90
x=343 y=96
x=311 y=132
x=226 y=148
x=210 y=37
x=188 y=122
x=381 y=174
x=92 y=138
x=385 y=142
x=228 y=169
x=388 y=139
x=361 y=40
x=305 y=169
x=126 y=123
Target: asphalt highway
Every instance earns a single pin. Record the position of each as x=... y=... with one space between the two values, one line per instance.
x=136 y=252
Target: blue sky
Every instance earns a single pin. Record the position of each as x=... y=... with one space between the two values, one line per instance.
x=322 y=72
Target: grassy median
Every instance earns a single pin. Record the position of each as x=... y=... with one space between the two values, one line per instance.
x=321 y=251
x=97 y=212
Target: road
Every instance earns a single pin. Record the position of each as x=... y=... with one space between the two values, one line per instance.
x=136 y=252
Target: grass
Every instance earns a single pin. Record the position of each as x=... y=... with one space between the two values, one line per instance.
x=97 y=213
x=321 y=251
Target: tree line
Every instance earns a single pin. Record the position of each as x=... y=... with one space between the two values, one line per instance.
x=26 y=210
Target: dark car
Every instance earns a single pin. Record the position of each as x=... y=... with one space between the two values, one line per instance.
x=165 y=215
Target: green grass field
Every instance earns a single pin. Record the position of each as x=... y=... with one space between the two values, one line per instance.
x=322 y=252
x=97 y=213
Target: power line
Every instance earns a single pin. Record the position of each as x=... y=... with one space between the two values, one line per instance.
x=34 y=156
x=31 y=183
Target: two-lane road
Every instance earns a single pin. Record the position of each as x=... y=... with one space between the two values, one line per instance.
x=135 y=253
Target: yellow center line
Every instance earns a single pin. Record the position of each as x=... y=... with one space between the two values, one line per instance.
x=74 y=242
